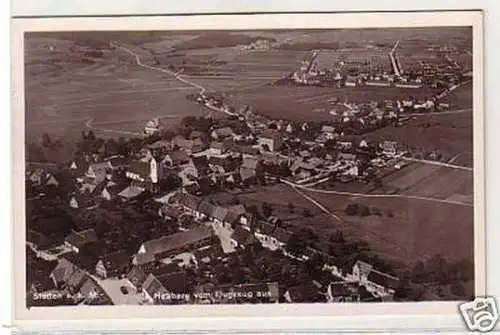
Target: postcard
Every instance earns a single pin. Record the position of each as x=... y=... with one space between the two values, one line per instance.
x=248 y=165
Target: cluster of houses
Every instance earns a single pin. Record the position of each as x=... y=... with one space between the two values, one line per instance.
x=358 y=73
x=158 y=271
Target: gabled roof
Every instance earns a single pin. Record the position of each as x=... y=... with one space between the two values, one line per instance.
x=250 y=163
x=218 y=161
x=176 y=282
x=220 y=213
x=117 y=161
x=282 y=235
x=190 y=201
x=237 y=209
x=162 y=144
x=175 y=241
x=153 y=286
x=242 y=236
x=270 y=134
x=116 y=260
x=364 y=267
x=328 y=129
x=136 y=276
x=80 y=238
x=245 y=149
x=383 y=279
x=69 y=273
x=139 y=168
x=266 y=228
x=178 y=156
x=131 y=192
x=223 y=132
x=206 y=208
x=94 y=294
x=181 y=142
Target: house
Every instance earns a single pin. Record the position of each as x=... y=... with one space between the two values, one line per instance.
x=242 y=238
x=346 y=157
x=351 y=81
x=219 y=215
x=205 y=210
x=176 y=158
x=77 y=239
x=222 y=133
x=93 y=293
x=167 y=288
x=306 y=292
x=218 y=165
x=116 y=163
x=39 y=240
x=270 y=140
x=376 y=282
x=329 y=131
x=144 y=171
x=250 y=169
x=174 y=244
x=272 y=237
x=68 y=275
x=208 y=255
x=98 y=172
x=181 y=143
x=131 y=192
x=341 y=291
x=245 y=151
x=169 y=212
x=218 y=148
x=36 y=176
x=190 y=203
x=344 y=144
x=136 y=277
x=378 y=83
x=51 y=181
x=113 y=265
x=389 y=148
x=81 y=200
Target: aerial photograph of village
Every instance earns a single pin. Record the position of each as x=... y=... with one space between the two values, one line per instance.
x=244 y=167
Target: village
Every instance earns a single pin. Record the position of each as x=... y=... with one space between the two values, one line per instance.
x=194 y=241
x=142 y=220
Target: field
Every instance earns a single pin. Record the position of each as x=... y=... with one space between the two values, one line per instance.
x=425 y=180
x=448 y=134
x=302 y=102
x=66 y=88
x=417 y=229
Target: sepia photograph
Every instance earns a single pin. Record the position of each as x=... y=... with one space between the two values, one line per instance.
x=250 y=166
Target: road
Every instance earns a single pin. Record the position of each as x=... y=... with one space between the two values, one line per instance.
x=457 y=111
x=90 y=125
x=176 y=75
x=448 y=165
x=365 y=195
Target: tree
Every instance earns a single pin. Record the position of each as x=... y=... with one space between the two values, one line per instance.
x=46 y=140
x=458 y=290
x=296 y=244
x=91 y=136
x=418 y=272
x=267 y=209
x=337 y=237
x=291 y=207
x=352 y=209
x=306 y=212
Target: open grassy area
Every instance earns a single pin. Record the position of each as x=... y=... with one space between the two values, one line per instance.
x=417 y=229
x=449 y=134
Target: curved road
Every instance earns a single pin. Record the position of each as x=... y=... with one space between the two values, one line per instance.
x=176 y=75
